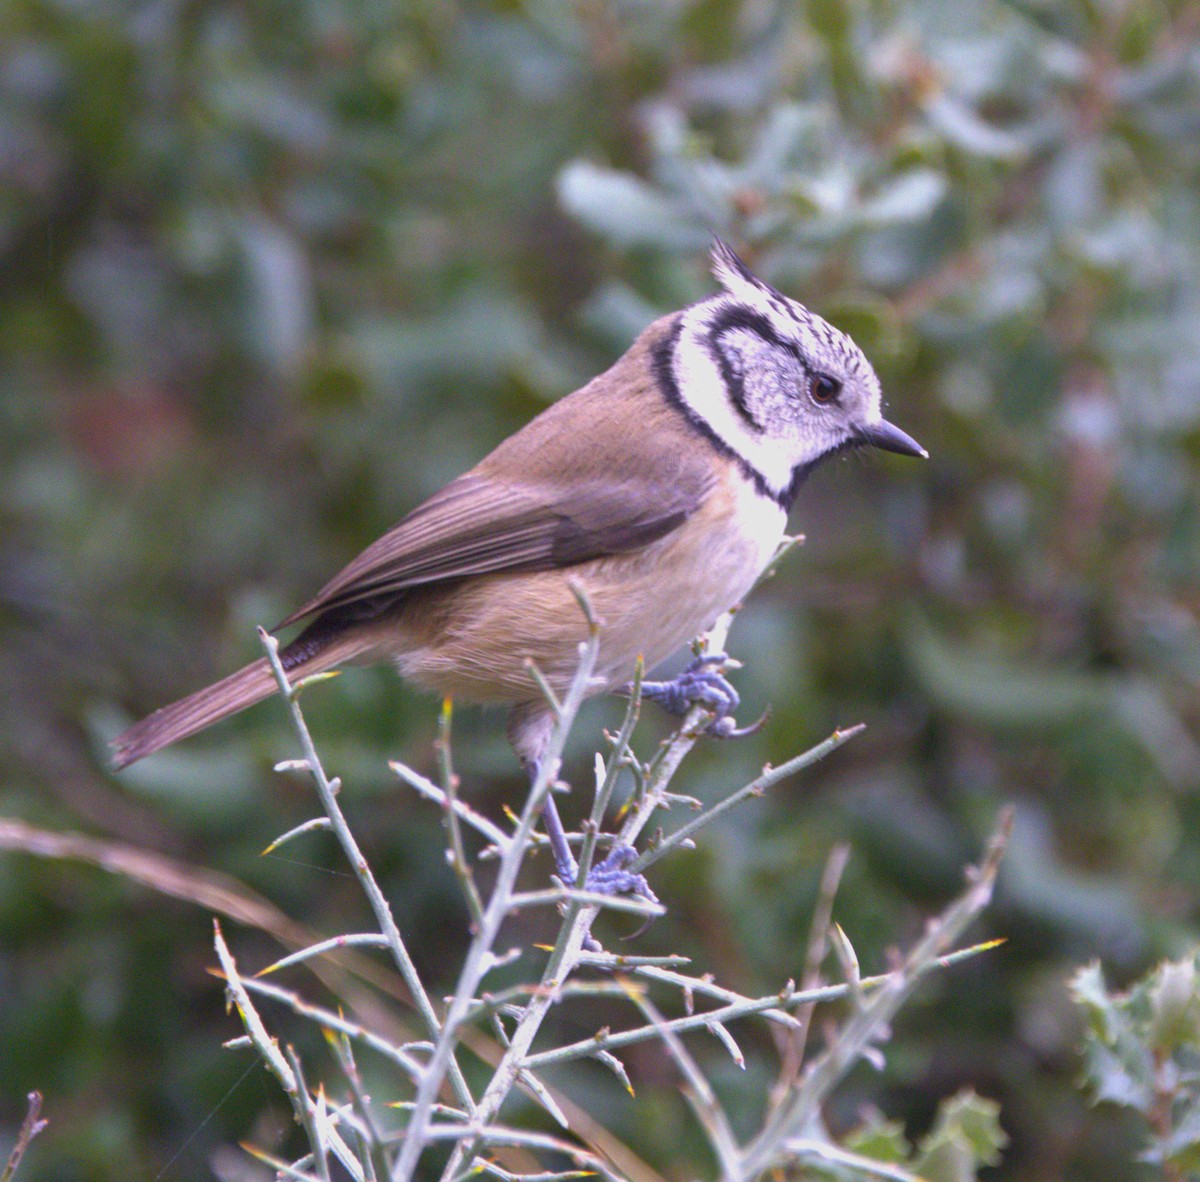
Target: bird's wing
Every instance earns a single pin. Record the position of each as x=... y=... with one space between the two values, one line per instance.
x=478 y=525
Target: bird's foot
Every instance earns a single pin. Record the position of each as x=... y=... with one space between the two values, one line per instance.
x=703 y=683
x=609 y=877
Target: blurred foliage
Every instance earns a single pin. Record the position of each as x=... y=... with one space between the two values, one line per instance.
x=966 y=1135
x=1143 y=1053
x=270 y=273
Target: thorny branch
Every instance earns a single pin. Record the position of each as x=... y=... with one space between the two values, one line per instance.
x=516 y=1015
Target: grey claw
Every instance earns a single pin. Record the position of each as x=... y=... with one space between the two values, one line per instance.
x=703 y=683
x=726 y=728
x=611 y=878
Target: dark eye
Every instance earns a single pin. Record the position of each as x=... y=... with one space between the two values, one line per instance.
x=824 y=389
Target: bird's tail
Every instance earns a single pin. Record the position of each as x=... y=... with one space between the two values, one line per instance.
x=221 y=699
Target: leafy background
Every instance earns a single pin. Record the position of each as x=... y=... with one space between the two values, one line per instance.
x=272 y=272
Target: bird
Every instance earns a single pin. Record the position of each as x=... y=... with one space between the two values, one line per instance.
x=660 y=489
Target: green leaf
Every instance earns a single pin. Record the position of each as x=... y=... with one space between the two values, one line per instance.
x=879 y=1139
x=1118 y=1066
x=1125 y=1079
x=1091 y=993
x=626 y=210
x=1174 y=1006
x=996 y=691
x=963 y=127
x=1181 y=1147
x=910 y=197
x=965 y=1136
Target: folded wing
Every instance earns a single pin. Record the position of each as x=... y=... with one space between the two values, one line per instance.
x=477 y=525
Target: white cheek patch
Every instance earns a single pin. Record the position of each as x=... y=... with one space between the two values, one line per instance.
x=703 y=391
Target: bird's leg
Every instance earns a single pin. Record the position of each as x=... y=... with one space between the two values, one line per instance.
x=703 y=683
x=529 y=728
x=565 y=865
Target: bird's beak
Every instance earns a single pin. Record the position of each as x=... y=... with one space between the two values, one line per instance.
x=887 y=437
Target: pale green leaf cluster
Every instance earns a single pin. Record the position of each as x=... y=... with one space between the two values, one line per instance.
x=1142 y=1052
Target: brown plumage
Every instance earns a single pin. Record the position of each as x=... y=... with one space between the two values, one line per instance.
x=194 y=713
x=472 y=583
x=661 y=487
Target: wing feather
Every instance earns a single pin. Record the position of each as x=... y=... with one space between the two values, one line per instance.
x=478 y=525
x=561 y=491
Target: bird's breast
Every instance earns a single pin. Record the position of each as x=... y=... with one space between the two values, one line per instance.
x=474 y=640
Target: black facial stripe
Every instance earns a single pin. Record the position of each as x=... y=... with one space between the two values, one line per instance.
x=734 y=382
x=662 y=357
x=738 y=316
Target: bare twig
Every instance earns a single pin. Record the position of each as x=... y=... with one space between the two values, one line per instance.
x=348 y=1132
x=795 y=1117
x=497 y=908
x=30 y=1127
x=327 y=790
x=795 y=1043
x=457 y=852
x=769 y=777
x=699 y=1091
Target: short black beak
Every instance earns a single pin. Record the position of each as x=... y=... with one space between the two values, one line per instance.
x=889 y=438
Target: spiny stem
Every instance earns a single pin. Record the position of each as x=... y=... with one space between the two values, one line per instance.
x=497 y=908
x=458 y=857
x=327 y=791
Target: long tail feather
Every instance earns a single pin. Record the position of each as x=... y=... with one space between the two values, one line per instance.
x=219 y=700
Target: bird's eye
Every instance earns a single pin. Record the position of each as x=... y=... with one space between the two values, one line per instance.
x=823 y=389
